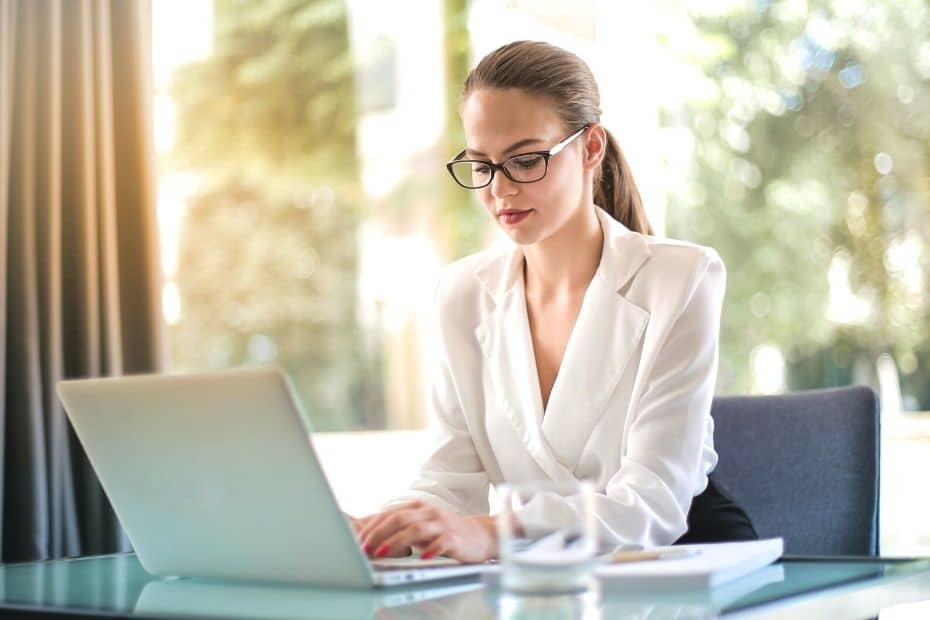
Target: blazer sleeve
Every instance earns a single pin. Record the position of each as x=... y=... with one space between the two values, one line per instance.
x=647 y=500
x=453 y=476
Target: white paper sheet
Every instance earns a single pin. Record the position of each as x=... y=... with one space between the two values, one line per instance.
x=713 y=565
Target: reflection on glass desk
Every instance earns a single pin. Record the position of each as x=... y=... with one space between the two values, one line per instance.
x=118 y=585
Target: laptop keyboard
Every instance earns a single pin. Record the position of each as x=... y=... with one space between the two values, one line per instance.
x=391 y=564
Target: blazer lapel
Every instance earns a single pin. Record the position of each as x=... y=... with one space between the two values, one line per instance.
x=505 y=340
x=607 y=332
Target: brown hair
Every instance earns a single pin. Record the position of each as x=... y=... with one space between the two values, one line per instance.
x=546 y=70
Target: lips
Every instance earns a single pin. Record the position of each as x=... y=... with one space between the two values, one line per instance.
x=513 y=216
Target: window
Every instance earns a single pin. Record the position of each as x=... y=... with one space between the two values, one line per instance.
x=305 y=210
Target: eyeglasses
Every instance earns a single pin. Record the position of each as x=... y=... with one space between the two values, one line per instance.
x=522 y=168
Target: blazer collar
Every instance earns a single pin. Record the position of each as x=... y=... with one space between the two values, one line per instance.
x=623 y=254
x=605 y=335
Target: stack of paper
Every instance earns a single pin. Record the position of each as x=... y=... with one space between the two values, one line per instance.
x=709 y=566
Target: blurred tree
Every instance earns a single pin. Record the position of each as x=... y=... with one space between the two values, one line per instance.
x=276 y=95
x=811 y=150
x=257 y=287
x=268 y=245
x=466 y=221
x=457 y=219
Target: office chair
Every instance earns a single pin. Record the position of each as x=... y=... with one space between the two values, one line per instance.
x=804 y=466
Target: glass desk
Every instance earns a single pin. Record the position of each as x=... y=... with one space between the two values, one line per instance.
x=116 y=585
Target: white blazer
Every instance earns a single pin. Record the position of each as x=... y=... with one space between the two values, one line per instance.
x=630 y=407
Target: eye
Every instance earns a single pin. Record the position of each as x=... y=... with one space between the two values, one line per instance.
x=527 y=162
x=480 y=168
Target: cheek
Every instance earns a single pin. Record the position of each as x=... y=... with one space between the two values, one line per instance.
x=486 y=199
x=565 y=180
x=553 y=193
x=564 y=191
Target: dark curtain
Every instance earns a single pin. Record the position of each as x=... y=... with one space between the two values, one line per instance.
x=79 y=281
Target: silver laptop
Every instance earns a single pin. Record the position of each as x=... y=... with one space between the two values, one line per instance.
x=214 y=475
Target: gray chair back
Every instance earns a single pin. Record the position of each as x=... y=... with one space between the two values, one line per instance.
x=804 y=466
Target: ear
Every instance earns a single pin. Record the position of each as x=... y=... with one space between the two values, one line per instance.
x=595 y=146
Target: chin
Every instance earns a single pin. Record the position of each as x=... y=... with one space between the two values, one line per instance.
x=522 y=237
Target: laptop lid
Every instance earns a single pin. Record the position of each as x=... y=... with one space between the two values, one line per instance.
x=214 y=475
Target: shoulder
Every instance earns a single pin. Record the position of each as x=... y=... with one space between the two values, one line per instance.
x=681 y=259
x=459 y=281
x=461 y=302
x=674 y=272
x=652 y=263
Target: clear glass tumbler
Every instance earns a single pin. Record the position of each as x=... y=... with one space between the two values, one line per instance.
x=547 y=537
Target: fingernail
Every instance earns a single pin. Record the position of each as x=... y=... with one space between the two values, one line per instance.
x=366 y=548
x=426 y=555
x=381 y=551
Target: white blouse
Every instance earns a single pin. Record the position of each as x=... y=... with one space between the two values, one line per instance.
x=630 y=406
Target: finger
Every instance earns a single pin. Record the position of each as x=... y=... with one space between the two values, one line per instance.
x=392 y=524
x=419 y=533
x=439 y=546
x=456 y=547
x=372 y=524
x=353 y=522
x=361 y=523
x=372 y=521
x=386 y=525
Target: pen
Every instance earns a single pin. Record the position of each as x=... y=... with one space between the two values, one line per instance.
x=642 y=556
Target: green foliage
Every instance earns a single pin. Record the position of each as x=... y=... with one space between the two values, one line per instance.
x=458 y=221
x=276 y=94
x=466 y=221
x=801 y=98
x=269 y=275
x=268 y=249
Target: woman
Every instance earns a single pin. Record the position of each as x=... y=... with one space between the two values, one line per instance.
x=588 y=350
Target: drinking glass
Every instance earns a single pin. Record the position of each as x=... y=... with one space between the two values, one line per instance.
x=547 y=537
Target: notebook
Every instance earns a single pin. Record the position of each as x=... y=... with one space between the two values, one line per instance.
x=705 y=566
x=710 y=566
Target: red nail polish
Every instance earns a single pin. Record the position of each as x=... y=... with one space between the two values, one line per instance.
x=381 y=551
x=366 y=548
x=426 y=555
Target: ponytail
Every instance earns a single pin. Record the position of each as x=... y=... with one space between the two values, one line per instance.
x=615 y=190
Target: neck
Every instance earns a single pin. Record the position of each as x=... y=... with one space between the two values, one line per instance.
x=564 y=263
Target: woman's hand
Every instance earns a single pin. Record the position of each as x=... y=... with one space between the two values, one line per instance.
x=358 y=523
x=435 y=530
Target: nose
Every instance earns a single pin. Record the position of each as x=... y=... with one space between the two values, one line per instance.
x=502 y=186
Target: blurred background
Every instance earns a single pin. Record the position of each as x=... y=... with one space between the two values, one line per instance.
x=304 y=209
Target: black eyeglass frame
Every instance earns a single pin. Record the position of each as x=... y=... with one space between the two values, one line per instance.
x=546 y=155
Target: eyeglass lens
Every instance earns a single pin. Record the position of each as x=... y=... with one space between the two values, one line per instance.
x=522 y=169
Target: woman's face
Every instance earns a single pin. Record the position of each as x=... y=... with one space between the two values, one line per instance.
x=503 y=123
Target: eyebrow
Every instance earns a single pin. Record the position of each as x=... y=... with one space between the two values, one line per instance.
x=512 y=147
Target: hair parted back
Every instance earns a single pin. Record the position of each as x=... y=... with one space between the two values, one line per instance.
x=545 y=70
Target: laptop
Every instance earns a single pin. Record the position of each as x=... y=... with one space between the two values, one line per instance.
x=214 y=475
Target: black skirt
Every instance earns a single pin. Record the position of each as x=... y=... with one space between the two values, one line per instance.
x=715 y=517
